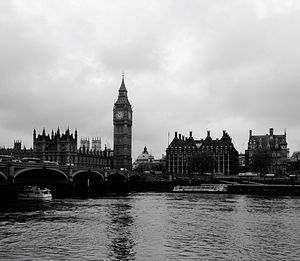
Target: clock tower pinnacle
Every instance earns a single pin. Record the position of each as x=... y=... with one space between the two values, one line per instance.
x=122 y=121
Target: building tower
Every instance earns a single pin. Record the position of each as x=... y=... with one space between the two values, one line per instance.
x=122 y=121
x=96 y=144
x=84 y=143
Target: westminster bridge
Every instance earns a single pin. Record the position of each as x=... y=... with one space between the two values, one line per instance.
x=24 y=173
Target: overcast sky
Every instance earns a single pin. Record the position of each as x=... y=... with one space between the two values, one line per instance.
x=189 y=65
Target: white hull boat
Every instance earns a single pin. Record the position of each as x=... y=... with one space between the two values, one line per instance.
x=34 y=193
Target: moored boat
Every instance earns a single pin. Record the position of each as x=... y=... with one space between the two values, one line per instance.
x=34 y=193
x=204 y=188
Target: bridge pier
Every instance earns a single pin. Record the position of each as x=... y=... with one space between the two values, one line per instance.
x=70 y=175
x=11 y=173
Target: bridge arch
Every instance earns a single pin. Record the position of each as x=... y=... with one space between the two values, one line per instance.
x=40 y=176
x=3 y=178
x=88 y=174
x=88 y=182
x=116 y=177
x=135 y=178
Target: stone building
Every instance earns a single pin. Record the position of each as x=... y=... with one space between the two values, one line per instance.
x=145 y=159
x=95 y=158
x=222 y=153
x=295 y=156
x=96 y=144
x=62 y=148
x=84 y=144
x=122 y=124
x=275 y=145
x=17 y=151
x=57 y=147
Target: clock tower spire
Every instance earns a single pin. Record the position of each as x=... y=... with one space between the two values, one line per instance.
x=122 y=121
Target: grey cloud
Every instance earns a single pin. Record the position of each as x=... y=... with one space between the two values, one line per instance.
x=193 y=65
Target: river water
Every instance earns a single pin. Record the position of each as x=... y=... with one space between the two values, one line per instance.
x=153 y=226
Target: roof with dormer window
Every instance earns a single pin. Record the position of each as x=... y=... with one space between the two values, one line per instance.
x=208 y=142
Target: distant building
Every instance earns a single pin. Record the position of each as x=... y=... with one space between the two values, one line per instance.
x=144 y=160
x=84 y=144
x=293 y=164
x=242 y=160
x=17 y=151
x=276 y=145
x=295 y=156
x=221 y=152
x=96 y=144
x=96 y=159
x=242 y=163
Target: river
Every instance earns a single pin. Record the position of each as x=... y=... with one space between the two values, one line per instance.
x=153 y=226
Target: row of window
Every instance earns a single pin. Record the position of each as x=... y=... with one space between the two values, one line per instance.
x=203 y=147
x=184 y=154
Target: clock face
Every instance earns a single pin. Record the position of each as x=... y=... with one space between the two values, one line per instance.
x=119 y=114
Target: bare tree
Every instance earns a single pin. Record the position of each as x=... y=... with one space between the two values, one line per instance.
x=201 y=162
x=261 y=161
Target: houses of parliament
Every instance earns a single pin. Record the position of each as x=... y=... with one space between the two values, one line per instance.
x=62 y=147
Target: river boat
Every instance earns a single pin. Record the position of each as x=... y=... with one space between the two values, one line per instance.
x=34 y=193
x=204 y=188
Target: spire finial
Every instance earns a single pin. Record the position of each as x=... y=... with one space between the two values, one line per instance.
x=122 y=89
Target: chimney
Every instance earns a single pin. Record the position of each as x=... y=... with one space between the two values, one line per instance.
x=208 y=136
x=179 y=136
x=191 y=134
x=271 y=131
x=250 y=133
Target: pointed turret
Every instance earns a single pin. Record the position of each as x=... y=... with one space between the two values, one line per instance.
x=122 y=97
x=123 y=90
x=76 y=134
x=58 y=133
x=145 y=150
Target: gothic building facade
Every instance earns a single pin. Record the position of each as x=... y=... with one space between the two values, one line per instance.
x=62 y=148
x=274 y=145
x=17 y=151
x=57 y=147
x=221 y=153
x=122 y=127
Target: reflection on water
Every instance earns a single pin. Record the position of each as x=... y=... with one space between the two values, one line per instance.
x=120 y=231
x=152 y=226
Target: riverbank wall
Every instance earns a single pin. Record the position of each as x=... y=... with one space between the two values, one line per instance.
x=264 y=189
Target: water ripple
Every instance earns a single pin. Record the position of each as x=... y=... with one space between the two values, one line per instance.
x=149 y=226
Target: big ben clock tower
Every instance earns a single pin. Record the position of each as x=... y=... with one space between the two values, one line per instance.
x=122 y=119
